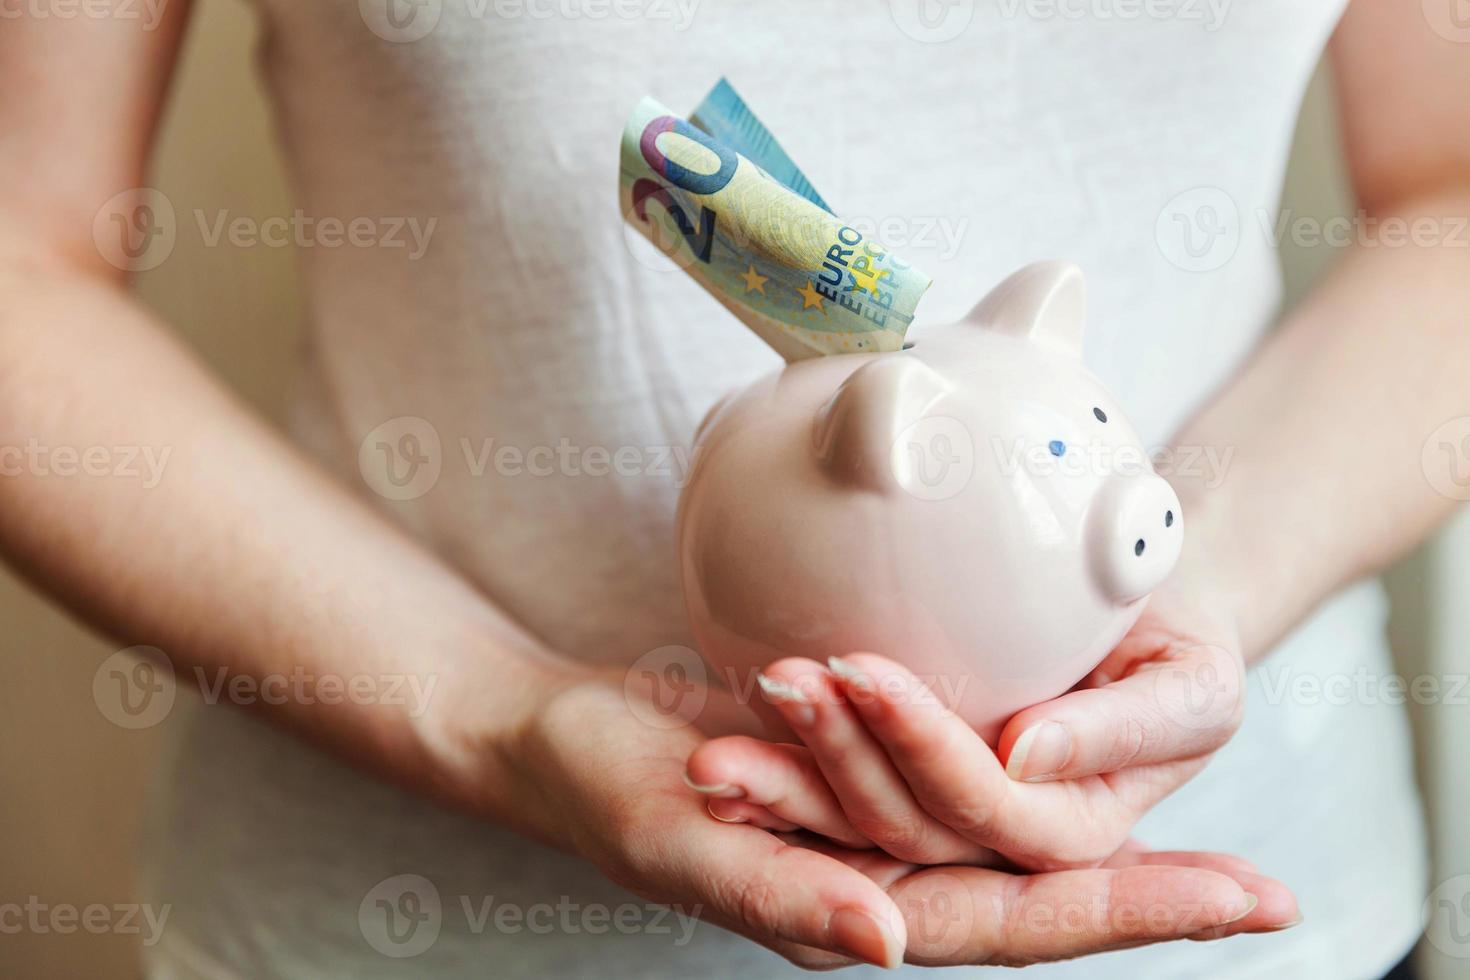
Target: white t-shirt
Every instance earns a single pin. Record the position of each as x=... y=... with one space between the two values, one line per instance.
x=1144 y=141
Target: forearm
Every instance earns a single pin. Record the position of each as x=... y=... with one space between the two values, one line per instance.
x=236 y=556
x=1324 y=432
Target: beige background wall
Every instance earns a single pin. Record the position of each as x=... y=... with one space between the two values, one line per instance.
x=72 y=783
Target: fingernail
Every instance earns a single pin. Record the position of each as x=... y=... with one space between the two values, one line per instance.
x=1040 y=752
x=1251 y=902
x=720 y=791
x=863 y=936
x=797 y=706
x=1286 y=925
x=849 y=673
x=711 y=808
x=1218 y=931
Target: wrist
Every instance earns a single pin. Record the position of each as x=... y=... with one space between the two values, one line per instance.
x=473 y=739
x=1211 y=572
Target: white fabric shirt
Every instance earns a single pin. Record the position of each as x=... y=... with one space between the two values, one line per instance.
x=1145 y=147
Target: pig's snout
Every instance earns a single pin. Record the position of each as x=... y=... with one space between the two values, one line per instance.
x=1135 y=532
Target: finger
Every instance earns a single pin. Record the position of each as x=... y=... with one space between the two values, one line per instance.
x=872 y=793
x=1179 y=708
x=1276 y=907
x=957 y=779
x=1224 y=863
x=976 y=916
x=782 y=779
x=882 y=868
x=754 y=883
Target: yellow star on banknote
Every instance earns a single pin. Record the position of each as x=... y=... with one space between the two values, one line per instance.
x=866 y=279
x=754 y=281
x=810 y=297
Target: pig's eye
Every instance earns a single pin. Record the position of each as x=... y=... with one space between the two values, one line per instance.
x=1099 y=414
x=1057 y=447
x=1168 y=518
x=1138 y=547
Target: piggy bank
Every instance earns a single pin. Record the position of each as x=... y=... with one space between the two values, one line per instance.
x=975 y=507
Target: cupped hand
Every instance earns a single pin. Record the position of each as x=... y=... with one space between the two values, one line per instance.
x=884 y=760
x=610 y=777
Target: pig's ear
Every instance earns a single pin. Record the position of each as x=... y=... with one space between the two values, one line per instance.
x=1045 y=301
x=859 y=426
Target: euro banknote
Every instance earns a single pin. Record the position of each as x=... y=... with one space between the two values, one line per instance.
x=725 y=116
x=805 y=281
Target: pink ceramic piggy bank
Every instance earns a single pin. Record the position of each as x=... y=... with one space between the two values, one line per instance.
x=975 y=507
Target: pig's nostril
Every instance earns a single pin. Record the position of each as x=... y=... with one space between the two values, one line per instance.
x=1168 y=518
x=1138 y=547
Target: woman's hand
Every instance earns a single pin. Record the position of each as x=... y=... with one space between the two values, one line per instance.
x=1168 y=696
x=605 y=777
x=885 y=761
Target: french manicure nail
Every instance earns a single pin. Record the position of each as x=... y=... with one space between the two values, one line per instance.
x=719 y=791
x=1219 y=931
x=798 y=707
x=863 y=936
x=849 y=673
x=1286 y=925
x=710 y=807
x=1251 y=902
x=1040 y=752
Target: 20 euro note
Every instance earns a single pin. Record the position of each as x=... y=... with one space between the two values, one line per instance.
x=805 y=281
